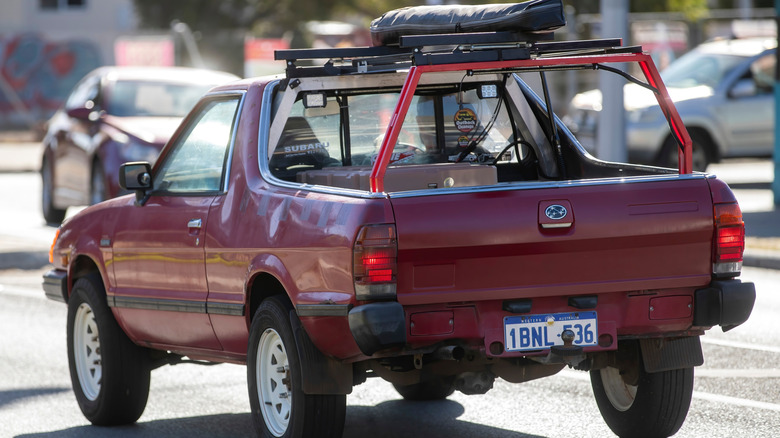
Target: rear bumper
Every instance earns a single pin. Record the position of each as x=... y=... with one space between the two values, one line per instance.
x=726 y=303
x=55 y=285
x=377 y=326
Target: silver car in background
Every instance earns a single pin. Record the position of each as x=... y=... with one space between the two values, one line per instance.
x=723 y=90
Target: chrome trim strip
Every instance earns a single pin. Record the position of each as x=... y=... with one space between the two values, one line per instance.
x=225 y=309
x=535 y=185
x=157 y=304
x=323 y=309
x=176 y=305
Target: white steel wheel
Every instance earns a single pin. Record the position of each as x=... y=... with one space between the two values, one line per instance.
x=110 y=374
x=273 y=377
x=280 y=407
x=86 y=346
x=620 y=394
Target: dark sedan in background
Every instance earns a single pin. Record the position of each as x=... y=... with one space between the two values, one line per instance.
x=114 y=115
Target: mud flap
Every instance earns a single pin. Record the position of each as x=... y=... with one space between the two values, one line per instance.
x=671 y=353
x=320 y=374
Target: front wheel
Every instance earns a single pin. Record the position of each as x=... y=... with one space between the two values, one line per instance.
x=110 y=374
x=279 y=406
x=635 y=403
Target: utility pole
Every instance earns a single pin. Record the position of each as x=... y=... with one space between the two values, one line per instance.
x=776 y=182
x=611 y=134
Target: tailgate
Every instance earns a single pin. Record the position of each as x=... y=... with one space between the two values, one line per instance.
x=614 y=236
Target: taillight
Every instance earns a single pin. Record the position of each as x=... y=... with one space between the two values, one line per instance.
x=374 y=262
x=729 y=242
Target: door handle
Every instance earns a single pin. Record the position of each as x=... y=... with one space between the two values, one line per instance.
x=194 y=223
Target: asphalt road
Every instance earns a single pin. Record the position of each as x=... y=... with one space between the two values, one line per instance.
x=737 y=391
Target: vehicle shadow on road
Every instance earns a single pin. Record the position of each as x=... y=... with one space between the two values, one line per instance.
x=14 y=395
x=438 y=419
x=431 y=419
x=214 y=426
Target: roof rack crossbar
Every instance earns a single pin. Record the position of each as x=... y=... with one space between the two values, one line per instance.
x=441 y=49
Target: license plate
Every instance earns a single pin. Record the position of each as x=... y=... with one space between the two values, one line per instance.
x=538 y=332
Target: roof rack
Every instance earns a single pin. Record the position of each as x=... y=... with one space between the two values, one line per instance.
x=440 y=49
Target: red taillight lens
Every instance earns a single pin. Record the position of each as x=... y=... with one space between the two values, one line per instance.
x=729 y=239
x=374 y=262
x=730 y=244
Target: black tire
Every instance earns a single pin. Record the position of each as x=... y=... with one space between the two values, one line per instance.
x=51 y=214
x=703 y=152
x=655 y=406
x=98 y=190
x=279 y=406
x=437 y=388
x=110 y=374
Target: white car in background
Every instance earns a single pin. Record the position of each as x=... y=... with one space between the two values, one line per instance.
x=723 y=90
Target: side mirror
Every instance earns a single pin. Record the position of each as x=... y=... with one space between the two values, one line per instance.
x=136 y=176
x=80 y=113
x=744 y=88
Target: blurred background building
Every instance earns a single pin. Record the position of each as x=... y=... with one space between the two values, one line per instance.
x=46 y=46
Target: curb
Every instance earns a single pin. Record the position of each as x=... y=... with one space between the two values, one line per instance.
x=26 y=260
x=761 y=259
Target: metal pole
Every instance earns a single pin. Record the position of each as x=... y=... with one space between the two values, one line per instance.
x=611 y=141
x=776 y=181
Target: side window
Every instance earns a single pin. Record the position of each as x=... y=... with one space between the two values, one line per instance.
x=763 y=71
x=85 y=91
x=197 y=160
x=311 y=139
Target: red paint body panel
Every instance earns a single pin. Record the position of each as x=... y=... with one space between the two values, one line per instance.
x=626 y=237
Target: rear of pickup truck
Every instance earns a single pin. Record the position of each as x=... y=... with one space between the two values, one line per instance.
x=616 y=277
x=511 y=253
x=648 y=258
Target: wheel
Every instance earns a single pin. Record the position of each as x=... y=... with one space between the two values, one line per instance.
x=98 y=191
x=51 y=214
x=437 y=388
x=641 y=404
x=703 y=153
x=110 y=374
x=279 y=406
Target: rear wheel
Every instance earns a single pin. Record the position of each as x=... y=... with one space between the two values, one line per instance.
x=703 y=152
x=279 y=406
x=635 y=403
x=437 y=388
x=110 y=374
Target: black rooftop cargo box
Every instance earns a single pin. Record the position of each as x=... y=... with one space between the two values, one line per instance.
x=536 y=16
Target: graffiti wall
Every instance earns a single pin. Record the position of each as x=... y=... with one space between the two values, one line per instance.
x=37 y=74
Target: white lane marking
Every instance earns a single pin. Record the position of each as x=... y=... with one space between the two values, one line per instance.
x=716 y=398
x=749 y=373
x=742 y=345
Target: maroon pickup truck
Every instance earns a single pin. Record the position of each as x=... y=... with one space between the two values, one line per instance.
x=408 y=212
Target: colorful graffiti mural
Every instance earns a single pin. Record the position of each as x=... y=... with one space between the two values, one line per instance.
x=36 y=75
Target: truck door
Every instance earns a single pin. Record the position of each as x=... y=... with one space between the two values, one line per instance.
x=165 y=238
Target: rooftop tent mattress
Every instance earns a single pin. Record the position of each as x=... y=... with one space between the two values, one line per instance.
x=536 y=16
